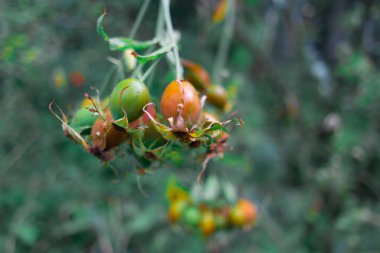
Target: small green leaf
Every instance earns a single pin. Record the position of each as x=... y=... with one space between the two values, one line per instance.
x=217 y=126
x=121 y=44
x=153 y=56
x=100 y=28
x=143 y=220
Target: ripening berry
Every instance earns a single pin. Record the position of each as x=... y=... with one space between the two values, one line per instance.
x=104 y=135
x=129 y=96
x=175 y=210
x=191 y=216
x=77 y=79
x=83 y=118
x=207 y=224
x=196 y=75
x=181 y=99
x=249 y=210
x=220 y=220
x=217 y=96
x=237 y=216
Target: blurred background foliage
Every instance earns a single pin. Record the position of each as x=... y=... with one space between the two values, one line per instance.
x=308 y=89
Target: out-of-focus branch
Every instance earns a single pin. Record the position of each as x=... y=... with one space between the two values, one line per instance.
x=225 y=42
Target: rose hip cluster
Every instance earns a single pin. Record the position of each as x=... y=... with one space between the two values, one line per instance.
x=208 y=219
x=128 y=115
x=207 y=216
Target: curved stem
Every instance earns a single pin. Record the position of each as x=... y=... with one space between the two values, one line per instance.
x=225 y=42
x=169 y=25
x=149 y=70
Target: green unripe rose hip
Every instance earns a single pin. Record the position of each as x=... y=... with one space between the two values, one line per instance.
x=175 y=210
x=217 y=96
x=82 y=119
x=237 y=217
x=130 y=95
x=192 y=216
x=221 y=221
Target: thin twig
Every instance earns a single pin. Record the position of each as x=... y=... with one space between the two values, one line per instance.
x=169 y=25
x=21 y=153
x=149 y=70
x=139 y=18
x=225 y=42
x=140 y=187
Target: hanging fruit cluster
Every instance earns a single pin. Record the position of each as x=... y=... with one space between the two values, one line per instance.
x=151 y=125
x=208 y=216
x=129 y=116
x=208 y=219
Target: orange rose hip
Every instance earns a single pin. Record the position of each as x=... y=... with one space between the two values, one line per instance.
x=181 y=98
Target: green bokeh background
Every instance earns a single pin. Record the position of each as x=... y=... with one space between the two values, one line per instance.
x=307 y=74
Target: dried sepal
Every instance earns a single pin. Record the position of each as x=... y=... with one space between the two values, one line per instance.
x=203 y=135
x=68 y=130
x=143 y=151
x=96 y=108
x=97 y=148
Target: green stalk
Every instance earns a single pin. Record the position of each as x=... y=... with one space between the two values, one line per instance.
x=139 y=18
x=149 y=70
x=225 y=41
x=169 y=25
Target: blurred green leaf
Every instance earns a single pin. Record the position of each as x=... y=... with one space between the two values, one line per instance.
x=229 y=191
x=211 y=189
x=121 y=44
x=153 y=56
x=100 y=27
x=28 y=233
x=143 y=220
